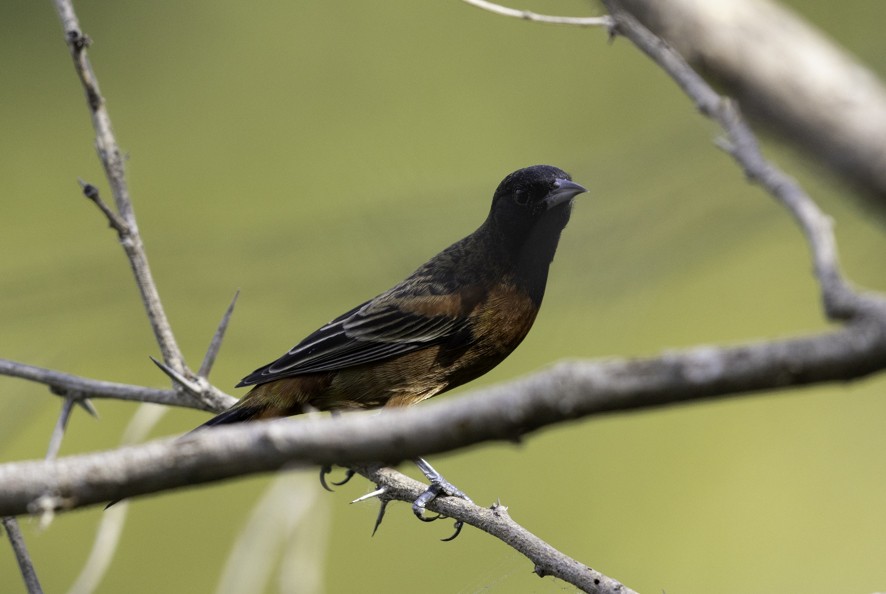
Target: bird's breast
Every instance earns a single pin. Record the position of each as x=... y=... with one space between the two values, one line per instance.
x=502 y=320
x=498 y=324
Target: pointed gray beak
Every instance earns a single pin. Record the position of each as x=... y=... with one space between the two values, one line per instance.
x=564 y=191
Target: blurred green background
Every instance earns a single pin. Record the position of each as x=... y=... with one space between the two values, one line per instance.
x=314 y=153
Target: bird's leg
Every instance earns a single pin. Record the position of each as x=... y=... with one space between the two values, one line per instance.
x=325 y=470
x=443 y=486
x=439 y=485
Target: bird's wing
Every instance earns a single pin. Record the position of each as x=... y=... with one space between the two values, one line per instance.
x=376 y=330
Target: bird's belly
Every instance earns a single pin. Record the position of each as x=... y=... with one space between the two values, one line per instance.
x=498 y=325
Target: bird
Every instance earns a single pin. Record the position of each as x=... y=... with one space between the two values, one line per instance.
x=452 y=320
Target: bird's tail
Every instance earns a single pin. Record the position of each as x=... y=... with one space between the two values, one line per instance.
x=239 y=413
x=262 y=402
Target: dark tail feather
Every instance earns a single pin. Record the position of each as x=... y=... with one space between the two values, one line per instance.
x=235 y=414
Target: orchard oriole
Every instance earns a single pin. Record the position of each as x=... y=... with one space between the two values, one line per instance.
x=449 y=322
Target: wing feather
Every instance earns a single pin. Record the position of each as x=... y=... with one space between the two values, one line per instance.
x=373 y=331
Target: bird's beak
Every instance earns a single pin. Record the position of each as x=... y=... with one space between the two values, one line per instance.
x=564 y=191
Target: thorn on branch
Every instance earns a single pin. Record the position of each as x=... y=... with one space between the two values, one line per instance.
x=86 y=404
x=208 y=396
x=381 y=515
x=79 y=398
x=215 y=344
x=612 y=32
x=179 y=379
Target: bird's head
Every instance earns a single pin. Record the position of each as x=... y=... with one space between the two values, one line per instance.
x=531 y=195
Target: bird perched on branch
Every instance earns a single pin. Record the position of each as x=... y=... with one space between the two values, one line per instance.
x=449 y=322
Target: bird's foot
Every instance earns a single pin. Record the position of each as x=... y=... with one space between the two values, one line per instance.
x=439 y=486
x=325 y=470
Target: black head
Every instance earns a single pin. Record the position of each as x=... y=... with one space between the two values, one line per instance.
x=532 y=195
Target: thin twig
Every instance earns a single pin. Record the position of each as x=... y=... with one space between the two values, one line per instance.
x=107 y=536
x=527 y=15
x=788 y=74
x=215 y=345
x=26 y=566
x=113 y=161
x=55 y=441
x=496 y=521
x=114 y=220
x=21 y=555
x=80 y=388
x=841 y=302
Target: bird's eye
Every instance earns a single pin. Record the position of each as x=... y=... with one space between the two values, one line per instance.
x=521 y=197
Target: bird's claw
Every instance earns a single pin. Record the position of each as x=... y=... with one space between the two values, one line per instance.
x=419 y=505
x=458 y=526
x=438 y=486
x=325 y=470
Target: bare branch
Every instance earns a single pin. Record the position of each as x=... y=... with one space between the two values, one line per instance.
x=788 y=75
x=526 y=15
x=199 y=389
x=79 y=388
x=215 y=345
x=55 y=442
x=110 y=528
x=114 y=220
x=566 y=391
x=21 y=555
x=840 y=301
x=113 y=162
x=496 y=521
x=26 y=566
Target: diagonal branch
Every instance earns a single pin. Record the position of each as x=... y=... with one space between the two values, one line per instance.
x=496 y=521
x=114 y=165
x=787 y=75
x=840 y=301
x=26 y=567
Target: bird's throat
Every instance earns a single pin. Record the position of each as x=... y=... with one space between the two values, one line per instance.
x=536 y=252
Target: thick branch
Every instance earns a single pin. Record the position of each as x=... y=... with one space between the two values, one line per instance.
x=506 y=412
x=840 y=301
x=787 y=74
